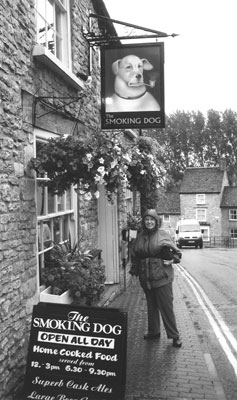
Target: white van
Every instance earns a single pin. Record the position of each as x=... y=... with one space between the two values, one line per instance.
x=188 y=233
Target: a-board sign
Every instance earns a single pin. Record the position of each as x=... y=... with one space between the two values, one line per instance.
x=76 y=353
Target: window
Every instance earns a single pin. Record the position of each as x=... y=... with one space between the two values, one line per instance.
x=129 y=201
x=53 y=27
x=166 y=218
x=233 y=214
x=55 y=215
x=200 y=199
x=201 y=214
x=233 y=233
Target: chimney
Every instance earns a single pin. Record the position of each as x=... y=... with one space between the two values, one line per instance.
x=222 y=164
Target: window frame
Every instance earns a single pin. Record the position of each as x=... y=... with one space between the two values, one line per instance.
x=200 y=196
x=166 y=218
x=233 y=211
x=233 y=233
x=198 y=210
x=61 y=25
x=46 y=223
x=129 y=200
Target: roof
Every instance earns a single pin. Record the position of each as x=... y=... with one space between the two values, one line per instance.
x=229 y=198
x=202 y=180
x=168 y=203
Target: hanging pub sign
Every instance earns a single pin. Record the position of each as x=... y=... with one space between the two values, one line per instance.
x=76 y=353
x=132 y=86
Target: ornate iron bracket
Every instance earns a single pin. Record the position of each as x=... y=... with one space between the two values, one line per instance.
x=54 y=107
x=52 y=114
x=109 y=34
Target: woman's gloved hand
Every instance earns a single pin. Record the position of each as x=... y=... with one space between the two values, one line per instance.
x=169 y=254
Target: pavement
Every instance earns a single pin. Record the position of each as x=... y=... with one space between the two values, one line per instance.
x=155 y=369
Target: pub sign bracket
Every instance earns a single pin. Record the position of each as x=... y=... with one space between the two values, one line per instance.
x=109 y=34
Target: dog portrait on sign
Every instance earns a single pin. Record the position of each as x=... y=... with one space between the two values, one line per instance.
x=132 y=81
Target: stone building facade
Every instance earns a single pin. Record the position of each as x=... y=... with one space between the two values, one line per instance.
x=200 y=198
x=43 y=93
x=205 y=194
x=229 y=214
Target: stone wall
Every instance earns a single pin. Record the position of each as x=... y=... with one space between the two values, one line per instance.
x=22 y=81
x=171 y=225
x=212 y=206
x=17 y=205
x=227 y=225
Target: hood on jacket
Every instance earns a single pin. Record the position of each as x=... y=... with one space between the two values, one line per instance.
x=151 y=213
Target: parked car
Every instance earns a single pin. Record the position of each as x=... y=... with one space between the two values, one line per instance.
x=188 y=233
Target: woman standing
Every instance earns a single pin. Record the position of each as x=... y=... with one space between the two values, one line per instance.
x=152 y=256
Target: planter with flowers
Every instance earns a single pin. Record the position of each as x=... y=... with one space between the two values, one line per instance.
x=72 y=276
x=133 y=224
x=47 y=296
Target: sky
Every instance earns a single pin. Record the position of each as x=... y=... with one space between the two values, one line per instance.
x=200 y=63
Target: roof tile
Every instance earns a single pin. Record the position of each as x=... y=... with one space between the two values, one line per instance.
x=169 y=203
x=229 y=198
x=202 y=180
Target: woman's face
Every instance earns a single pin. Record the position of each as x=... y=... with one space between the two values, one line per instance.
x=149 y=222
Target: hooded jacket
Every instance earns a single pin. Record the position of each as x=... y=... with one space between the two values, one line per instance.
x=147 y=254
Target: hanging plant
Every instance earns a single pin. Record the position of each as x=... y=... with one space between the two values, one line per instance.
x=84 y=162
x=145 y=172
x=100 y=159
x=134 y=220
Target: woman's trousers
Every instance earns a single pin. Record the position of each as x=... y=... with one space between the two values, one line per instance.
x=160 y=302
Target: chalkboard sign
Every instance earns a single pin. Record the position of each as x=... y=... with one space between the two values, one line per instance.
x=76 y=353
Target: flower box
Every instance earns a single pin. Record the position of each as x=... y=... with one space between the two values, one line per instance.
x=132 y=234
x=47 y=297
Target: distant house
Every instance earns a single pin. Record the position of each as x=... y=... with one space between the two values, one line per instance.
x=229 y=212
x=205 y=195
x=200 y=197
x=168 y=208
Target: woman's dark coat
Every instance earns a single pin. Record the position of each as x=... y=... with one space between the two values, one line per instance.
x=146 y=255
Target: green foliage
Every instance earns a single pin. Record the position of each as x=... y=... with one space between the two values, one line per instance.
x=101 y=159
x=134 y=220
x=68 y=268
x=145 y=172
x=191 y=139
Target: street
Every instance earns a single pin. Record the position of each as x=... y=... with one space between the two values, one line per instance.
x=209 y=279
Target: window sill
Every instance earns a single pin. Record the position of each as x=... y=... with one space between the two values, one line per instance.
x=43 y=55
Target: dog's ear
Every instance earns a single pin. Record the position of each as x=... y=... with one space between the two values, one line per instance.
x=146 y=64
x=115 y=66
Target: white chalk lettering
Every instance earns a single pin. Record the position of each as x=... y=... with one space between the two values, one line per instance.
x=86 y=341
x=106 y=357
x=107 y=328
x=45 y=350
x=62 y=325
x=77 y=386
x=101 y=389
x=34 y=395
x=46 y=383
x=75 y=353
x=64 y=397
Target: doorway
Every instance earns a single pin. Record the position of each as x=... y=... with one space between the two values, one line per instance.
x=108 y=236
